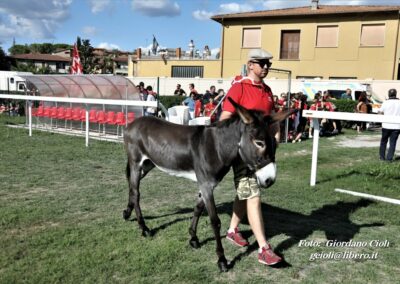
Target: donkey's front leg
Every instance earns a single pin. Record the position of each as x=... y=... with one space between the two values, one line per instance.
x=198 y=210
x=216 y=225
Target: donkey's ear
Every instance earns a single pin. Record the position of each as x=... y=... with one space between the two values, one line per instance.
x=279 y=116
x=244 y=114
x=273 y=121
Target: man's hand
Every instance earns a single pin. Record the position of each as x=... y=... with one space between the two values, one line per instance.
x=225 y=115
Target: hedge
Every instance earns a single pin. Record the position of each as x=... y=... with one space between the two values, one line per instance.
x=345 y=105
x=170 y=101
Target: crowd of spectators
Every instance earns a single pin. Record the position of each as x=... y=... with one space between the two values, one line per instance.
x=209 y=104
x=10 y=108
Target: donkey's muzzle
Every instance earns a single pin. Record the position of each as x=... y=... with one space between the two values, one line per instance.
x=266 y=176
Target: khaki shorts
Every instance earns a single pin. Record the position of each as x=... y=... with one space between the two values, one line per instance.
x=245 y=182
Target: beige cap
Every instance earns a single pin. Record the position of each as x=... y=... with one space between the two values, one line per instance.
x=259 y=54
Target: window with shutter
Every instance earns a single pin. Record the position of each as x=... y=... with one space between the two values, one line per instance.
x=327 y=36
x=251 y=38
x=373 y=35
x=290 y=45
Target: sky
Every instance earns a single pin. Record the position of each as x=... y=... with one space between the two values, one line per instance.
x=130 y=24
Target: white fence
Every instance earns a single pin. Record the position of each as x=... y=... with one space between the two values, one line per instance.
x=87 y=102
x=315 y=115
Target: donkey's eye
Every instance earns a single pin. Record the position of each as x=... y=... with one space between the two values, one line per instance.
x=259 y=143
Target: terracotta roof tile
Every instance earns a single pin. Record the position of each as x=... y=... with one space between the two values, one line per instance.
x=40 y=56
x=307 y=11
x=123 y=59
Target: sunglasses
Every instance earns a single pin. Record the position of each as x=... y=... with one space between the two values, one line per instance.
x=263 y=63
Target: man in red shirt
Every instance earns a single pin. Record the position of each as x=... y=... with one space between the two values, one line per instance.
x=252 y=93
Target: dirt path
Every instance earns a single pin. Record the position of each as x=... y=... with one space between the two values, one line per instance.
x=361 y=141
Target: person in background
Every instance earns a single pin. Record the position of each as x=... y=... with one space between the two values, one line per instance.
x=213 y=92
x=209 y=94
x=346 y=95
x=218 y=102
x=151 y=97
x=143 y=95
x=276 y=104
x=206 y=52
x=362 y=107
x=316 y=105
x=198 y=106
x=143 y=91
x=2 y=108
x=192 y=90
x=283 y=100
x=296 y=103
x=179 y=91
x=327 y=105
x=302 y=120
x=189 y=101
x=252 y=93
x=390 y=131
x=209 y=108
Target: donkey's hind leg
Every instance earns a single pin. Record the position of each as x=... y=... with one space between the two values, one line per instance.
x=198 y=210
x=134 y=174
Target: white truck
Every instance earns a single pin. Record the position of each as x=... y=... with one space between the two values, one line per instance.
x=337 y=88
x=10 y=81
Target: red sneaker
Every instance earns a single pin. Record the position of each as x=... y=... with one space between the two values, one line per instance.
x=236 y=238
x=267 y=256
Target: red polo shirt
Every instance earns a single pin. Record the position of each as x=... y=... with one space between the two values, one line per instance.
x=249 y=94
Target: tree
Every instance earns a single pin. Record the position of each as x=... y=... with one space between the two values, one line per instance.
x=108 y=64
x=4 y=64
x=47 y=48
x=35 y=47
x=59 y=46
x=23 y=67
x=30 y=67
x=19 y=49
x=86 y=54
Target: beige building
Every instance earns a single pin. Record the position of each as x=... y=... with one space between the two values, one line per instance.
x=174 y=63
x=55 y=63
x=330 y=42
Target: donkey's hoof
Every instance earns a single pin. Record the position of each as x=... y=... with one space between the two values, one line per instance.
x=223 y=265
x=126 y=214
x=146 y=233
x=194 y=243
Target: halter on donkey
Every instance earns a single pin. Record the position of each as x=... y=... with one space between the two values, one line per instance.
x=203 y=154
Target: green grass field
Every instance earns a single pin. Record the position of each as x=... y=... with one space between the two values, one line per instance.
x=61 y=217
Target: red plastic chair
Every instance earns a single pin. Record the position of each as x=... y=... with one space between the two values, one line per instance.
x=92 y=116
x=120 y=120
x=101 y=119
x=131 y=117
x=83 y=115
x=40 y=111
x=76 y=114
x=46 y=112
x=61 y=113
x=110 y=118
x=53 y=112
x=34 y=111
x=68 y=114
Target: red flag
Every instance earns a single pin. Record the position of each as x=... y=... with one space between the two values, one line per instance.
x=76 y=67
